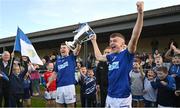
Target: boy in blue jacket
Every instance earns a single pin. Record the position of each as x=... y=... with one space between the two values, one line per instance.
x=166 y=86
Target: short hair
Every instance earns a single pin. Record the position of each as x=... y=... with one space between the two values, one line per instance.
x=49 y=62
x=163 y=69
x=137 y=59
x=117 y=35
x=83 y=66
x=81 y=63
x=5 y=52
x=90 y=68
x=62 y=44
x=159 y=56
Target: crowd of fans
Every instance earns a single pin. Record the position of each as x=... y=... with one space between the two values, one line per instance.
x=155 y=80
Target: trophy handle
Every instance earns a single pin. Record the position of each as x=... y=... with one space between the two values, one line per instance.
x=70 y=45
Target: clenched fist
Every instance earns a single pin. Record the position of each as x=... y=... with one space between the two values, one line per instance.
x=140 y=6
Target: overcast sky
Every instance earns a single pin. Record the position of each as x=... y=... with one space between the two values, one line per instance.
x=37 y=15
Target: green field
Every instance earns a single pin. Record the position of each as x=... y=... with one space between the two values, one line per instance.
x=39 y=101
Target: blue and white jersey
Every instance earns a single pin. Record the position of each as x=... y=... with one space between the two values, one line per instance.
x=120 y=64
x=90 y=85
x=65 y=69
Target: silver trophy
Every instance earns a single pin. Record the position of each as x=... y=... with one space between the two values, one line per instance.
x=84 y=33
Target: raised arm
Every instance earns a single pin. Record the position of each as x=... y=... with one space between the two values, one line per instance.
x=137 y=28
x=167 y=55
x=142 y=73
x=176 y=50
x=172 y=48
x=97 y=52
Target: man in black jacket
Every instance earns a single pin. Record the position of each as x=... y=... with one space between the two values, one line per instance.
x=4 y=84
x=102 y=78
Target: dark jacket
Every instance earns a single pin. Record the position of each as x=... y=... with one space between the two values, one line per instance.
x=4 y=84
x=102 y=74
x=165 y=95
x=16 y=82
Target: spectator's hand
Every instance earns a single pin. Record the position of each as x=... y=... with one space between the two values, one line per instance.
x=172 y=46
x=173 y=75
x=12 y=54
x=98 y=88
x=47 y=85
x=140 y=6
x=29 y=63
x=163 y=83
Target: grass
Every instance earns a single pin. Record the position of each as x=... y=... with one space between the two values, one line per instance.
x=39 y=101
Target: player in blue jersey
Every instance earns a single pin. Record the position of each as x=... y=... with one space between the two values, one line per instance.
x=65 y=75
x=120 y=63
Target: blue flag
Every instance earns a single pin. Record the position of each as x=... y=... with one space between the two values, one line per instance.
x=24 y=45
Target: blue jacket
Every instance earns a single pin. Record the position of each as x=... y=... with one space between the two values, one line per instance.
x=165 y=95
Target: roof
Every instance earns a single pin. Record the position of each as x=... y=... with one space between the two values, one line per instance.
x=151 y=17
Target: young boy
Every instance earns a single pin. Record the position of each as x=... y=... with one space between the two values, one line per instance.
x=158 y=62
x=174 y=71
x=83 y=73
x=16 y=84
x=50 y=94
x=165 y=84
x=137 y=78
x=149 y=93
x=90 y=88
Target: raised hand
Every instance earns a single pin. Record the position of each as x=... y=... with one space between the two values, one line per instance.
x=172 y=46
x=140 y=6
x=163 y=83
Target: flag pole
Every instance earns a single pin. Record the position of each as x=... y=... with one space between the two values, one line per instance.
x=12 y=55
x=11 y=63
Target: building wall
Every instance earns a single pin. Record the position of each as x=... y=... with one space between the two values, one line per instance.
x=144 y=45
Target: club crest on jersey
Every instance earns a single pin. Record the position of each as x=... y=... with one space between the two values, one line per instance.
x=114 y=65
x=62 y=66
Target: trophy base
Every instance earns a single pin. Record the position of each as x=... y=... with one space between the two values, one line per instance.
x=70 y=45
